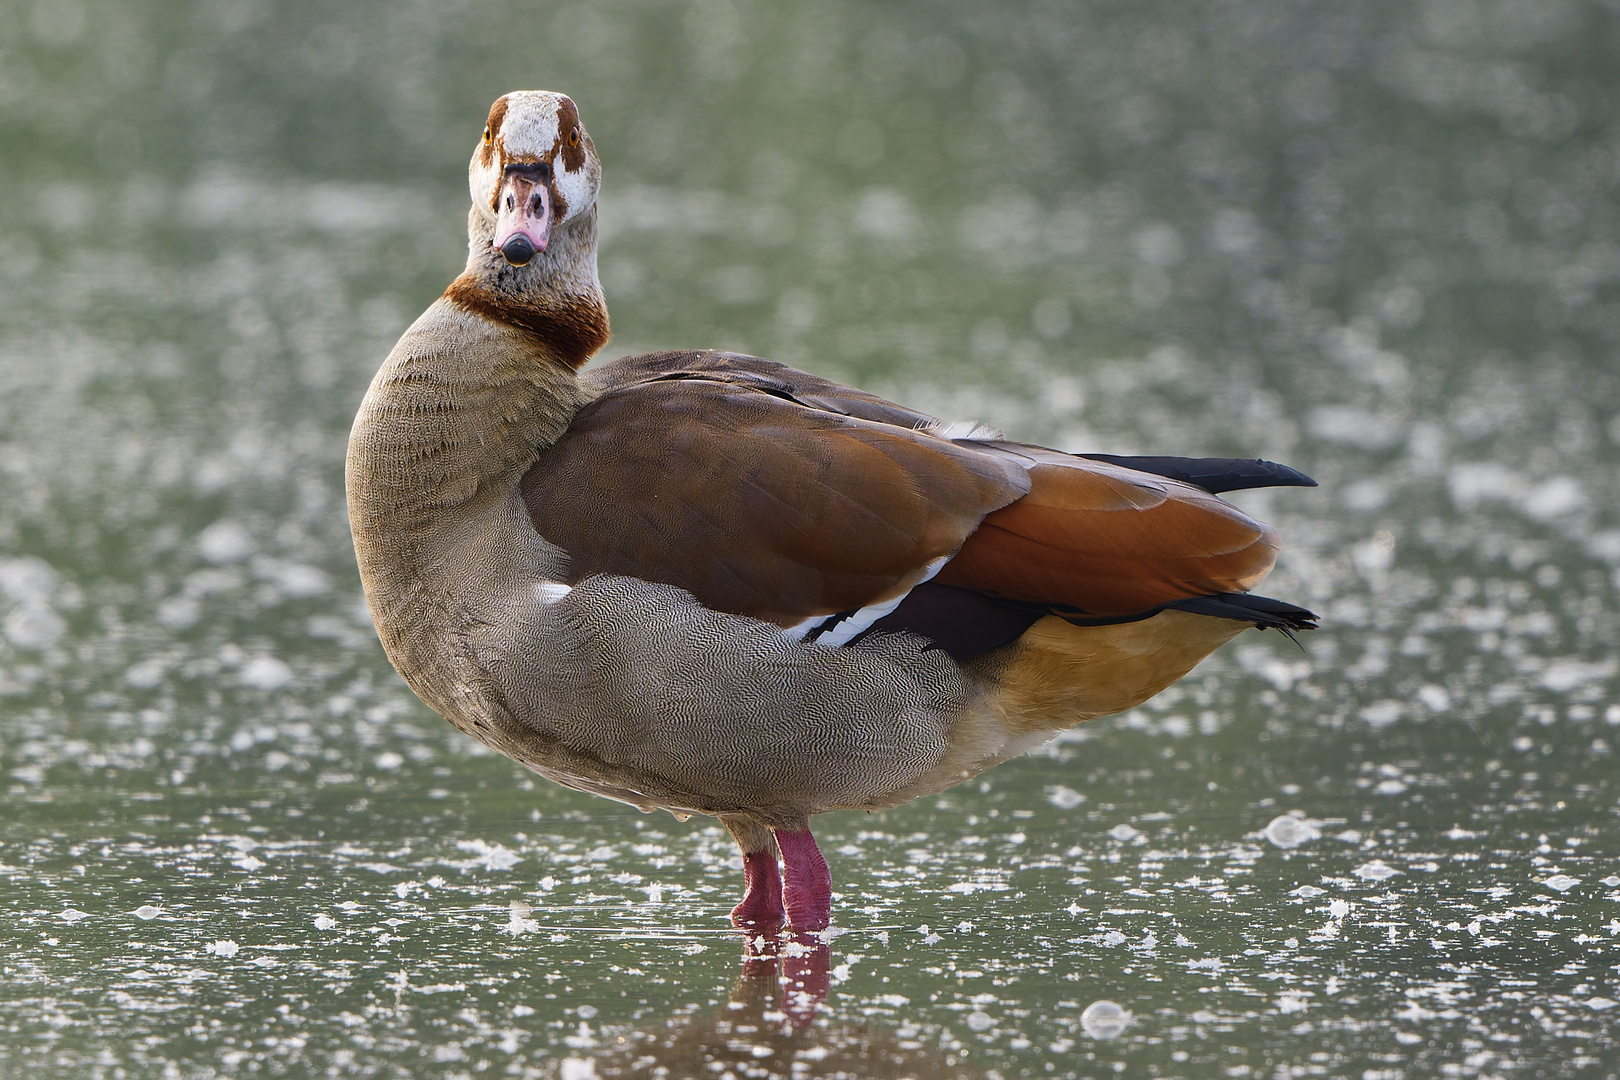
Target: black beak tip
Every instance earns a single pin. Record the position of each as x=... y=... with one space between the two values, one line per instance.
x=518 y=251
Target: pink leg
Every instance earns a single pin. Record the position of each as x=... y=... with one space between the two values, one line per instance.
x=807 y=888
x=761 y=909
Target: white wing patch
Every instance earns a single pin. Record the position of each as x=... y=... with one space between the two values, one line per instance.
x=841 y=629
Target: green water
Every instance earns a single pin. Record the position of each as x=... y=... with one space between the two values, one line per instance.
x=1377 y=241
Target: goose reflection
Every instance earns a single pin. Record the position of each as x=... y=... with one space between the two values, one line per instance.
x=767 y=1029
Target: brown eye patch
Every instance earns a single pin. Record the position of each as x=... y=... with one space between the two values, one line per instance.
x=573 y=150
x=497 y=113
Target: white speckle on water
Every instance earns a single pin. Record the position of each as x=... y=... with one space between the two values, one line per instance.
x=225 y=947
x=27 y=580
x=1376 y=870
x=34 y=625
x=146 y=674
x=1562 y=882
x=576 y=1069
x=1563 y=676
x=1064 y=798
x=1554 y=497
x=1383 y=713
x=884 y=213
x=1353 y=425
x=73 y=915
x=325 y=922
x=1338 y=909
x=1291 y=830
x=1434 y=697
x=265 y=673
x=225 y=541
x=490 y=856
x=388 y=760
x=520 y=923
x=146 y=912
x=1104 y=1020
x=1292 y=1002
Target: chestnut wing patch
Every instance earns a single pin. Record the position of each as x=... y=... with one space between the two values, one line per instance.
x=754 y=501
x=1096 y=539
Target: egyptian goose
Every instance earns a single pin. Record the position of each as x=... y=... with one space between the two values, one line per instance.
x=712 y=584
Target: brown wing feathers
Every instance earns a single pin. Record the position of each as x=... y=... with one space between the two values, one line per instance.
x=755 y=504
x=1107 y=541
x=768 y=492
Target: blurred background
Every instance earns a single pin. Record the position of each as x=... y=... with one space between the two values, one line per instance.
x=1377 y=241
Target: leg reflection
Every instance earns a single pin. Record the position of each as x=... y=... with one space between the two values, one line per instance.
x=768 y=1030
x=796 y=967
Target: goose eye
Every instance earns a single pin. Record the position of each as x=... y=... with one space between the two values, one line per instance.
x=573 y=137
x=488 y=136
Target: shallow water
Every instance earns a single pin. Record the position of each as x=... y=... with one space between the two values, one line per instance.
x=1378 y=243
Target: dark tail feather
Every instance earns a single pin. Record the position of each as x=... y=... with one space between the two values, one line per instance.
x=1214 y=475
x=1263 y=611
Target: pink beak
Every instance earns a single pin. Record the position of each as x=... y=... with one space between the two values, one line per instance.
x=523 y=212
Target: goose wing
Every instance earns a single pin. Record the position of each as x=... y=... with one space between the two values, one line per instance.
x=769 y=492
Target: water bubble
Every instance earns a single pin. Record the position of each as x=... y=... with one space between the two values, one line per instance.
x=1290 y=831
x=1064 y=798
x=27 y=580
x=1104 y=1020
x=1123 y=832
x=265 y=673
x=979 y=1021
x=147 y=912
x=577 y=1069
x=225 y=541
x=1375 y=871
x=1562 y=882
x=34 y=626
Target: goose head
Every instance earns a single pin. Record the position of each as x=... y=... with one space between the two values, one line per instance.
x=534 y=179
